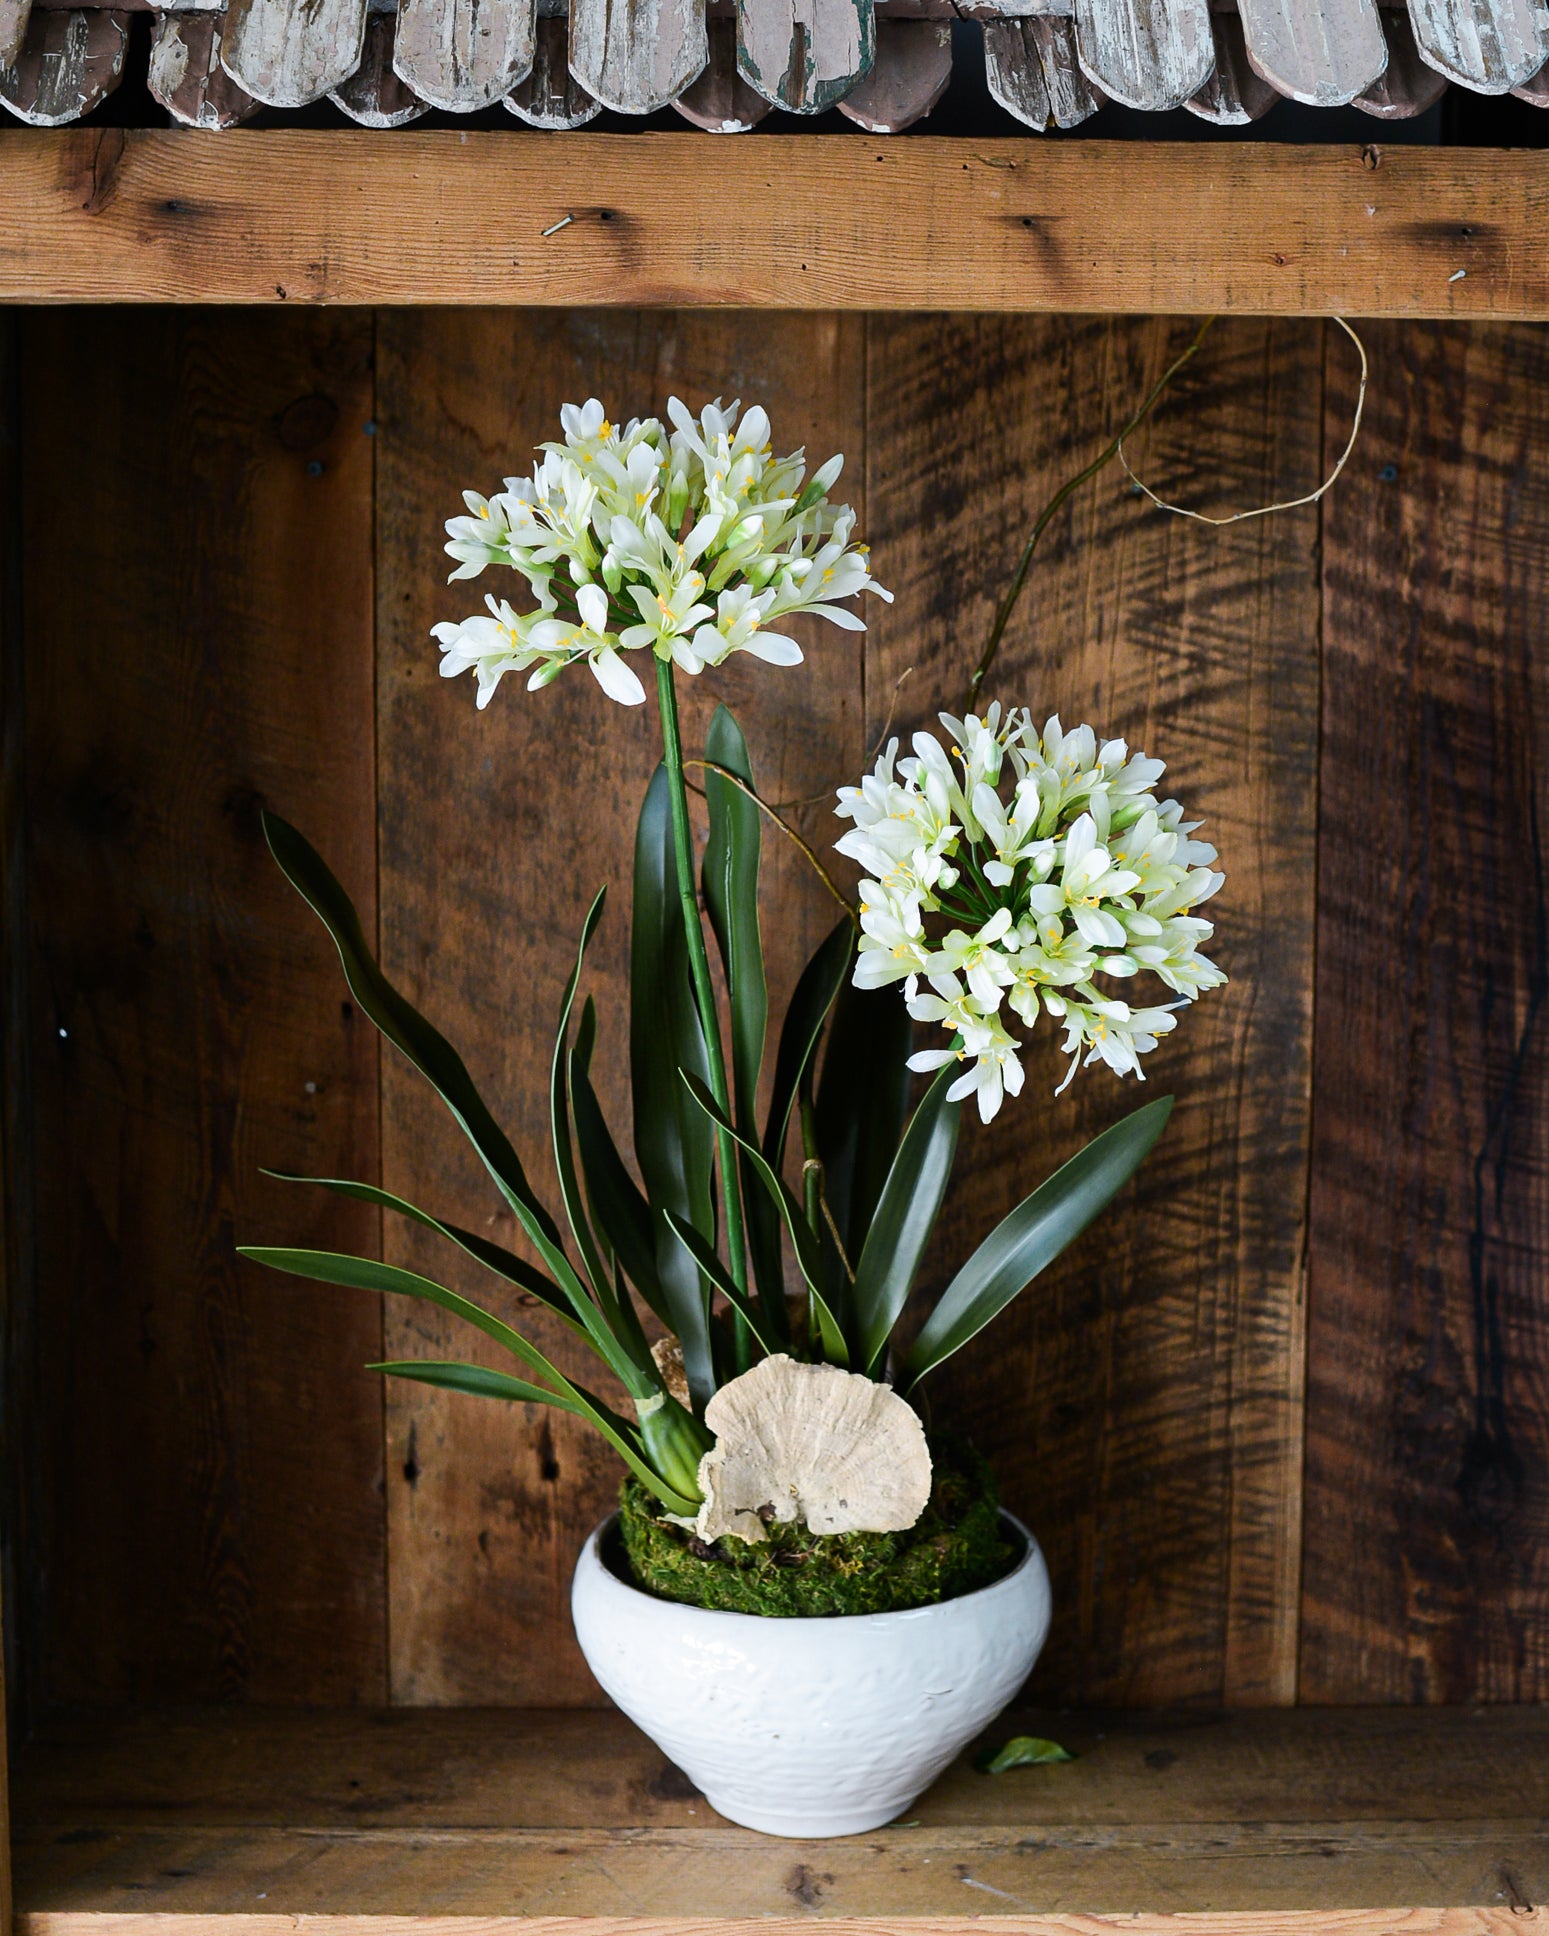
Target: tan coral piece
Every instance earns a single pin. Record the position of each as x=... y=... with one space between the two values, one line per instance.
x=830 y=1447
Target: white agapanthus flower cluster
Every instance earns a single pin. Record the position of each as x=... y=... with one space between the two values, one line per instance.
x=691 y=542
x=1075 y=871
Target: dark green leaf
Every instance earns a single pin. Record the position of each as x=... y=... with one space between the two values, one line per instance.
x=366 y=1274
x=400 y=1022
x=731 y=899
x=813 y=997
x=620 y=1212
x=1022 y=1751
x=559 y=1116
x=475 y=1381
x=835 y=1346
x=862 y=1103
x=492 y=1256
x=710 y=1263
x=904 y=1218
x=674 y=1144
x=1034 y=1235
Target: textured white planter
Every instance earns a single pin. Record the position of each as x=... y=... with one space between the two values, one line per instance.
x=811 y=1727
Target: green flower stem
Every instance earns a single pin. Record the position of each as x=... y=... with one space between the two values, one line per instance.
x=704 y=995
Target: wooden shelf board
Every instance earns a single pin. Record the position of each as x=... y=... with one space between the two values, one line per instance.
x=1341 y=1820
x=804 y=222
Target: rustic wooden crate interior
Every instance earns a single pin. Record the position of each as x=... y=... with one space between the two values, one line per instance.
x=1281 y=1424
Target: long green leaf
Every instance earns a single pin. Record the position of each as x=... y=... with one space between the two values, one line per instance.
x=812 y=998
x=559 y=1116
x=403 y=1025
x=904 y=1218
x=862 y=1103
x=619 y=1211
x=673 y=1142
x=731 y=899
x=835 y=1345
x=494 y=1257
x=366 y=1274
x=730 y=877
x=1034 y=1235
x=721 y=1278
x=474 y=1381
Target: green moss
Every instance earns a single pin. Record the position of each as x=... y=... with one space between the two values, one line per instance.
x=956 y=1546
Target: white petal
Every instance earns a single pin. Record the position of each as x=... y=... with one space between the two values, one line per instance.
x=592 y=603
x=616 y=679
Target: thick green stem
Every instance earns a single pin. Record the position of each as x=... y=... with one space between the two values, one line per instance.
x=704 y=995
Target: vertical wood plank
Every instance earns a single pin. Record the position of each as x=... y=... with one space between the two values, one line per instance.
x=1427 y=1555
x=496 y=829
x=197 y=532
x=1142 y=1403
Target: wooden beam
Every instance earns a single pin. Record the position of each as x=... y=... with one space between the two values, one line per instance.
x=812 y=222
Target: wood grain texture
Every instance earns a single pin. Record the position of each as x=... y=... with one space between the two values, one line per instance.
x=14 y=16
x=496 y=829
x=1323 y=55
x=1013 y=71
x=1092 y=226
x=1427 y=1561
x=198 y=633
x=534 y=1816
x=1072 y=97
x=1142 y=1404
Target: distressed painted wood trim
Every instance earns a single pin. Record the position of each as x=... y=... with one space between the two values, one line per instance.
x=337 y=216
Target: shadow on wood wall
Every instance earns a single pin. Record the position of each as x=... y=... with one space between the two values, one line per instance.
x=1272 y=1450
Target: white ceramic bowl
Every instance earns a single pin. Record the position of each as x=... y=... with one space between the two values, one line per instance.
x=811 y=1727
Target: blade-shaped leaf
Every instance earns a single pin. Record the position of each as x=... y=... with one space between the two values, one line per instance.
x=904 y=1218
x=811 y=1000
x=731 y=899
x=835 y=1345
x=720 y=1277
x=559 y=1116
x=674 y=1144
x=475 y=1381
x=1034 y=1234
x=862 y=1102
x=494 y=1257
x=620 y=1212
x=403 y=1025
x=366 y=1274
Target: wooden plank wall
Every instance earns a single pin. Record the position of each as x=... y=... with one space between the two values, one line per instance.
x=230 y=580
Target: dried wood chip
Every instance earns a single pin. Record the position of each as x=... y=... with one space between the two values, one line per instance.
x=1491 y=46
x=68 y=63
x=462 y=55
x=1408 y=85
x=1323 y=54
x=911 y=71
x=551 y=96
x=186 y=77
x=636 y=56
x=805 y=55
x=1151 y=54
x=1234 y=95
x=721 y=101
x=287 y=53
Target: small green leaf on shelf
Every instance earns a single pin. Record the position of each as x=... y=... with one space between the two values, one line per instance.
x=1022 y=1751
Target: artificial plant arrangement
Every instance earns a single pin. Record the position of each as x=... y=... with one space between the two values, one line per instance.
x=749 y=1285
